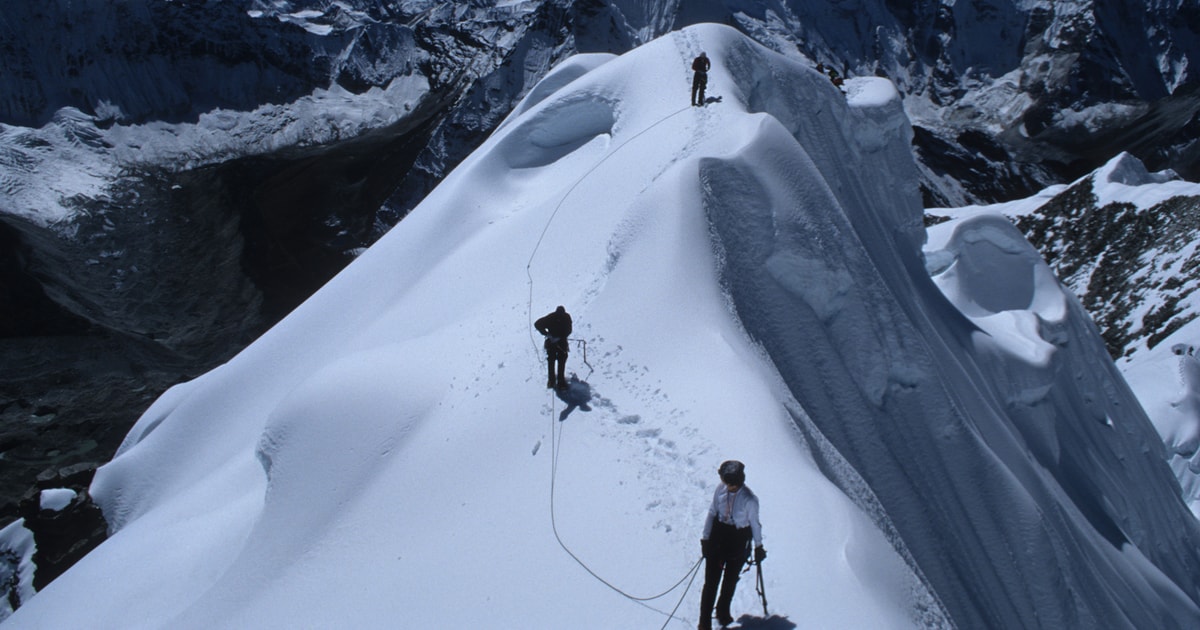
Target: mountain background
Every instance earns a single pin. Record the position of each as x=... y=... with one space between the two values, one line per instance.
x=178 y=176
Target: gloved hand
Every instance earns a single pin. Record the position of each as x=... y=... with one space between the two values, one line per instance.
x=704 y=547
x=760 y=554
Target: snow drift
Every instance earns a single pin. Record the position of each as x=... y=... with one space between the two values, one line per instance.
x=747 y=281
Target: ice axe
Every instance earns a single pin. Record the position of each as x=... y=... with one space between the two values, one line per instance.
x=762 y=591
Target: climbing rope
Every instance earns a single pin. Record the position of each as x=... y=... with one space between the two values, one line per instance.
x=556 y=433
x=556 y=448
x=559 y=205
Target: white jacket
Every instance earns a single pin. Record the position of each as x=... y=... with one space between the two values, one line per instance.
x=739 y=509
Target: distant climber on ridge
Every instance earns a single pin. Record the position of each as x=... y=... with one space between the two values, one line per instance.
x=556 y=327
x=700 y=65
x=731 y=524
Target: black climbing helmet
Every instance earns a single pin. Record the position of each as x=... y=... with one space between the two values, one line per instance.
x=732 y=472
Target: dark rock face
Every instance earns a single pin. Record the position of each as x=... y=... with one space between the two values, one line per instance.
x=186 y=58
x=975 y=157
x=1089 y=80
x=25 y=310
x=1103 y=253
x=59 y=525
x=66 y=535
x=66 y=399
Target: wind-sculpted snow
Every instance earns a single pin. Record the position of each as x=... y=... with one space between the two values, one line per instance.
x=1124 y=240
x=1108 y=441
x=558 y=130
x=1173 y=402
x=746 y=281
x=561 y=75
x=825 y=275
x=1000 y=282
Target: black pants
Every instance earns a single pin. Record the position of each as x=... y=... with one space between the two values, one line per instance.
x=556 y=361
x=699 y=83
x=728 y=547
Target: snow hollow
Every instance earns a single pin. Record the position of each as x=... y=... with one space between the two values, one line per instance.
x=747 y=281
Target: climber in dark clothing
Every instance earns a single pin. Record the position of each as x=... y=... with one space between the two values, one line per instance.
x=556 y=327
x=700 y=66
x=731 y=525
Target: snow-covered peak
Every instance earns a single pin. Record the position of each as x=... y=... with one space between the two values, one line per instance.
x=747 y=282
x=1124 y=179
x=1130 y=171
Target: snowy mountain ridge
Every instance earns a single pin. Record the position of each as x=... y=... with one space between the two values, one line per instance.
x=749 y=280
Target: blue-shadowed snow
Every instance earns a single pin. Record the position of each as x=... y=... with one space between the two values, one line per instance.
x=1165 y=377
x=994 y=277
x=747 y=278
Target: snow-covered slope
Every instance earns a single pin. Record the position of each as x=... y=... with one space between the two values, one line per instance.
x=746 y=280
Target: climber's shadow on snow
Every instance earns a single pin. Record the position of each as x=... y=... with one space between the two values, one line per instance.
x=577 y=394
x=774 y=622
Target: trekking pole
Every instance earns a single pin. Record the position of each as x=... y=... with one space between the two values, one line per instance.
x=762 y=591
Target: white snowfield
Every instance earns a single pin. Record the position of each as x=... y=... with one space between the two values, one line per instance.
x=747 y=281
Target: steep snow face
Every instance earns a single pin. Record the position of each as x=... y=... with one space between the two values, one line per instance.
x=826 y=274
x=746 y=280
x=1167 y=382
x=1085 y=437
x=1124 y=240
